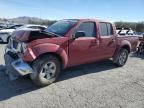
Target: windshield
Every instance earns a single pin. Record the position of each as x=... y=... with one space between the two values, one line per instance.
x=61 y=27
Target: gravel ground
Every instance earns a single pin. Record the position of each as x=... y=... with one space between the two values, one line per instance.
x=96 y=85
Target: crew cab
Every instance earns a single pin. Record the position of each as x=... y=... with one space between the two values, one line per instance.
x=44 y=54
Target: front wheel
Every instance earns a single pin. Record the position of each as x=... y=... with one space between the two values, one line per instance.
x=121 y=58
x=46 y=70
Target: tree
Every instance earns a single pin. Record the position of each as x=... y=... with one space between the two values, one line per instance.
x=140 y=27
x=131 y=25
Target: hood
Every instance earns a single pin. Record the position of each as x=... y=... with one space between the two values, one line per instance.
x=30 y=35
x=7 y=30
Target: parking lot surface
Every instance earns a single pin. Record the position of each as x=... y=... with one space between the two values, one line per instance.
x=96 y=85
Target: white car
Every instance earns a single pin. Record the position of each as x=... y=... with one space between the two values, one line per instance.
x=32 y=26
x=5 y=34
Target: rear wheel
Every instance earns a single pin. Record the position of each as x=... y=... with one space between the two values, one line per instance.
x=121 y=58
x=46 y=70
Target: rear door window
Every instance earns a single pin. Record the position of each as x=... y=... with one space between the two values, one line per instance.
x=103 y=29
x=110 y=29
x=106 y=29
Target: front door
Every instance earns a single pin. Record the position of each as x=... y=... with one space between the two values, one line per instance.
x=107 y=40
x=84 y=49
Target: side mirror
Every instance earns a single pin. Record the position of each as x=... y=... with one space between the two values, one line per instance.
x=79 y=34
x=143 y=36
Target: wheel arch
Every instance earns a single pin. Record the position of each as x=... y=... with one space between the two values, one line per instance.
x=126 y=47
x=46 y=49
x=55 y=55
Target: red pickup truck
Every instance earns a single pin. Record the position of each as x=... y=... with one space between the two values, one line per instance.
x=71 y=42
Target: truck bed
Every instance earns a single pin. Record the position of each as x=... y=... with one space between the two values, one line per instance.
x=133 y=39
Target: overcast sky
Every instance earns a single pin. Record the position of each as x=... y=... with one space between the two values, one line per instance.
x=114 y=10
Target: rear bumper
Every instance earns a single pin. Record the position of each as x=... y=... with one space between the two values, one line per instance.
x=17 y=67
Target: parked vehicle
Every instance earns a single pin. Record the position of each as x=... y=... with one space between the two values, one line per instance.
x=32 y=26
x=6 y=33
x=138 y=33
x=65 y=44
x=125 y=31
x=141 y=44
x=2 y=27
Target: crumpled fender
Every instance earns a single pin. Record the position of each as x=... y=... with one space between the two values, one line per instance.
x=40 y=49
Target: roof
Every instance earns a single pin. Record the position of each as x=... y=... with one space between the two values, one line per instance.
x=92 y=19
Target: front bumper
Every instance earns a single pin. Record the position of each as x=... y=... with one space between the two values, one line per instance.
x=16 y=66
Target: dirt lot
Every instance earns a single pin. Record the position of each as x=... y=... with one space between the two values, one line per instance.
x=97 y=85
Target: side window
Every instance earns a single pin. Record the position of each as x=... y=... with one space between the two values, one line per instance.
x=89 y=28
x=106 y=29
x=110 y=29
x=103 y=29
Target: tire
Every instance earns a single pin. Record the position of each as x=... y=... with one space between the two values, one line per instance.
x=121 y=58
x=44 y=74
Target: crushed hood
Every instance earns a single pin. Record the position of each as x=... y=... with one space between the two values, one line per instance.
x=30 y=35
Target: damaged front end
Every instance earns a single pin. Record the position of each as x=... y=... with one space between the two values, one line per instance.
x=17 y=48
x=13 y=55
x=13 y=59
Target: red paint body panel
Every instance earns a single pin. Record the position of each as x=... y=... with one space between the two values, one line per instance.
x=54 y=45
x=81 y=50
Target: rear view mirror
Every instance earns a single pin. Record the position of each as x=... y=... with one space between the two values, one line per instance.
x=79 y=34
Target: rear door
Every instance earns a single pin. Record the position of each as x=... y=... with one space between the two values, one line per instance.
x=84 y=49
x=107 y=39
